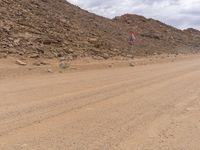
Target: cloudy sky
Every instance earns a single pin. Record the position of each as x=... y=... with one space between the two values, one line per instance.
x=179 y=13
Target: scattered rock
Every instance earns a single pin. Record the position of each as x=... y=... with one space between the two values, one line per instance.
x=20 y=62
x=62 y=59
x=42 y=62
x=70 y=50
x=34 y=56
x=91 y=40
x=110 y=65
x=60 y=71
x=77 y=33
x=3 y=55
x=16 y=41
x=130 y=56
x=60 y=55
x=49 y=70
x=105 y=56
x=69 y=58
x=63 y=65
x=37 y=63
x=131 y=64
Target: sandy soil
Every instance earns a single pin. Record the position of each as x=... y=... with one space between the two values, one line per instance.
x=149 y=107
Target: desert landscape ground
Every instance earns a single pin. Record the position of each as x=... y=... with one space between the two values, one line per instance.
x=70 y=80
x=153 y=107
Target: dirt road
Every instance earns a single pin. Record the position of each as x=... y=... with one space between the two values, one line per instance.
x=152 y=107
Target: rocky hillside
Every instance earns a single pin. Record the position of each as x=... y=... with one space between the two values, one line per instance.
x=56 y=28
x=155 y=36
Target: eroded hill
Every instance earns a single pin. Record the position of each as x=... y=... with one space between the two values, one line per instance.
x=56 y=28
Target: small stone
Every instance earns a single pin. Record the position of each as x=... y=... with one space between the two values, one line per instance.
x=71 y=50
x=63 y=65
x=62 y=58
x=105 y=56
x=132 y=64
x=130 y=56
x=10 y=45
x=110 y=65
x=70 y=58
x=17 y=41
x=34 y=56
x=49 y=71
x=42 y=62
x=37 y=63
x=92 y=40
x=3 y=55
x=19 y=62
x=60 y=55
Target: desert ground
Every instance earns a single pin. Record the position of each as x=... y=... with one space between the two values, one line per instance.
x=104 y=106
x=74 y=80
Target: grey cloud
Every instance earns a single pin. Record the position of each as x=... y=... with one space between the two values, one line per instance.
x=179 y=13
x=191 y=12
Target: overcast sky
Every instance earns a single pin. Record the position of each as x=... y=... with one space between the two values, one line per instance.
x=179 y=13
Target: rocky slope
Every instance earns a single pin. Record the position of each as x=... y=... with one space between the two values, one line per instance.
x=155 y=36
x=56 y=28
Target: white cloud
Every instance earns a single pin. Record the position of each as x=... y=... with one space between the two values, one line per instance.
x=180 y=13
